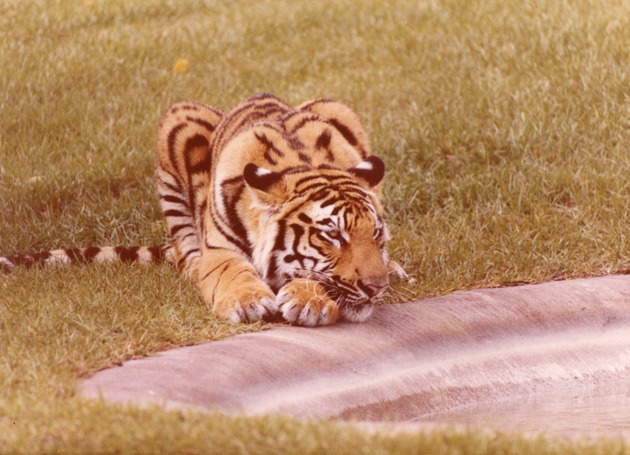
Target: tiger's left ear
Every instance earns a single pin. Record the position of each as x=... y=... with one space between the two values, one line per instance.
x=268 y=185
x=372 y=170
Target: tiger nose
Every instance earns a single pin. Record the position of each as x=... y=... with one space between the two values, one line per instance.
x=373 y=289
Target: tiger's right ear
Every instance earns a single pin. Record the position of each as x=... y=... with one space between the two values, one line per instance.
x=268 y=185
x=371 y=171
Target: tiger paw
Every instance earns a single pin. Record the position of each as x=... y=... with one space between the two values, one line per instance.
x=305 y=302
x=249 y=303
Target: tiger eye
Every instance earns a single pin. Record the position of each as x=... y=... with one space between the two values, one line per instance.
x=335 y=234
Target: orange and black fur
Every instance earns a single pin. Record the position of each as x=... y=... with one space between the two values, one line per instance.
x=272 y=210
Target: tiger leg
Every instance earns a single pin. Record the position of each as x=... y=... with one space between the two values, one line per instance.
x=233 y=287
x=185 y=134
x=305 y=302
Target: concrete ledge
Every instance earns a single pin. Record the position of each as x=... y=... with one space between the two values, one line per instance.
x=408 y=361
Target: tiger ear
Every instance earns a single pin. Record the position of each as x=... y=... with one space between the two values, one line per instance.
x=268 y=184
x=372 y=170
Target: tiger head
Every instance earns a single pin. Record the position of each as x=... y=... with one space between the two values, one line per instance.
x=323 y=224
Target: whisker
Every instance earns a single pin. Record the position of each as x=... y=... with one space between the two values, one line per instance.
x=395 y=294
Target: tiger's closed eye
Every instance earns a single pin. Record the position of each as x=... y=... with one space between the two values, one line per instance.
x=333 y=236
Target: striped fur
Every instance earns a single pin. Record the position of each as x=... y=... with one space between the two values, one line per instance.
x=271 y=209
x=135 y=254
x=275 y=209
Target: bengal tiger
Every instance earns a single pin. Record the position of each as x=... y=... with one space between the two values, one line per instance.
x=272 y=210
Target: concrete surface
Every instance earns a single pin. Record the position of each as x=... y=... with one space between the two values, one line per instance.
x=407 y=362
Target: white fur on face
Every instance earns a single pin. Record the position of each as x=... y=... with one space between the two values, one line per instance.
x=356 y=313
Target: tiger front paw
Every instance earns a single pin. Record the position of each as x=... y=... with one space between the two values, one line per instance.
x=246 y=303
x=305 y=302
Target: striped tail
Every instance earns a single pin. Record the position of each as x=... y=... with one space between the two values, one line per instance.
x=134 y=254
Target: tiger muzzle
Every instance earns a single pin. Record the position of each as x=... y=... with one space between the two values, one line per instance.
x=374 y=288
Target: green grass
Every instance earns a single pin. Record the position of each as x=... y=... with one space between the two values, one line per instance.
x=505 y=127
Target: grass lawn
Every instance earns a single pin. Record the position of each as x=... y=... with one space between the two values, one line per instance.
x=505 y=126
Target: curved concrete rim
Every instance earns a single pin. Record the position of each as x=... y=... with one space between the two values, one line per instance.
x=408 y=361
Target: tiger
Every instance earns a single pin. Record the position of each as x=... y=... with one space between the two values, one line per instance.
x=274 y=211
